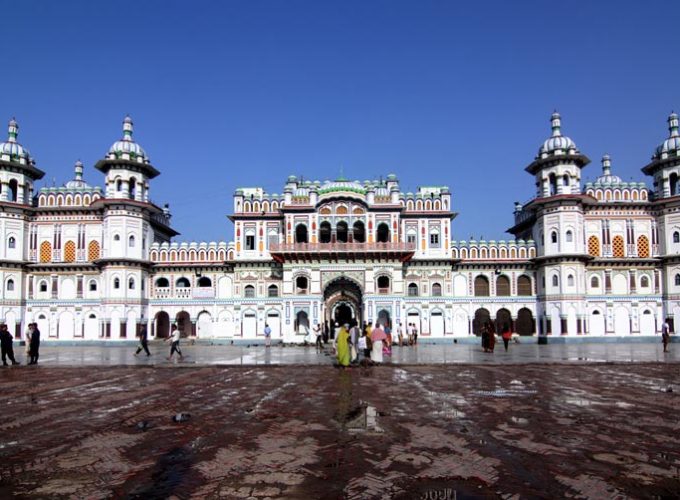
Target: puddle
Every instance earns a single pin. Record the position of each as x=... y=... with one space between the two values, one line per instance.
x=364 y=418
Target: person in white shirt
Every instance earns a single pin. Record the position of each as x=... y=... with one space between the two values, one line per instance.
x=267 y=335
x=174 y=338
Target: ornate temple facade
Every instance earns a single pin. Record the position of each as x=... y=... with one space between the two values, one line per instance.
x=91 y=263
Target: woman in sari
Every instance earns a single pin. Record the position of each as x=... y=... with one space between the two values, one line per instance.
x=377 y=338
x=343 y=346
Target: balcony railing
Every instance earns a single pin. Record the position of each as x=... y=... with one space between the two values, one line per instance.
x=341 y=247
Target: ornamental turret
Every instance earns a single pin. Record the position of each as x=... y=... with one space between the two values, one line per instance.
x=127 y=168
x=17 y=169
x=665 y=164
x=557 y=166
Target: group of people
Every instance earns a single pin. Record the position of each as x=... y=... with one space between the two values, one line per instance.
x=354 y=345
x=489 y=336
x=32 y=345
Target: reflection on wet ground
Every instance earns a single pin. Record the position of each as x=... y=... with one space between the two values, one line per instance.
x=502 y=431
x=426 y=354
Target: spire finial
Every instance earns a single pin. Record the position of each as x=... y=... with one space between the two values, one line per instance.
x=13 y=129
x=78 y=168
x=556 y=124
x=127 y=128
x=606 y=165
x=673 y=124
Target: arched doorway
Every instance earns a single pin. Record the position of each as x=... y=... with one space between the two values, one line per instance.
x=204 y=325
x=183 y=322
x=162 y=325
x=302 y=323
x=342 y=298
x=481 y=317
x=384 y=318
x=503 y=317
x=525 y=322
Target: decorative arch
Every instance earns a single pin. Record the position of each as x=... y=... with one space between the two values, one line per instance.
x=70 y=251
x=502 y=286
x=594 y=246
x=618 y=246
x=643 y=247
x=45 y=251
x=481 y=286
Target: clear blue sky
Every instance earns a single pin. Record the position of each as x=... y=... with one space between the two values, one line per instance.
x=229 y=94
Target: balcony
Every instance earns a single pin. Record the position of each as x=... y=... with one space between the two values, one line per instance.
x=319 y=251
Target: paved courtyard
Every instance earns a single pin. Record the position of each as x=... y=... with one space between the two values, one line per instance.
x=226 y=355
x=412 y=431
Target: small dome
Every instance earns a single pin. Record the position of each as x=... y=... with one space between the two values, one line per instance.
x=670 y=146
x=126 y=146
x=607 y=177
x=557 y=141
x=11 y=150
x=77 y=181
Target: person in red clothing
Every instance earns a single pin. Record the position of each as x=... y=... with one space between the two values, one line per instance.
x=506 y=334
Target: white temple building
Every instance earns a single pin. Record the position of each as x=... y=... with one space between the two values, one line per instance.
x=93 y=263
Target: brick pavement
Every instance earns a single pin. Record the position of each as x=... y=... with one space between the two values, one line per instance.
x=578 y=431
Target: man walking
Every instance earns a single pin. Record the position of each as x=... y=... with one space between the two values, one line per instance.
x=317 y=332
x=143 y=342
x=35 y=344
x=665 y=334
x=267 y=335
x=6 y=345
x=174 y=338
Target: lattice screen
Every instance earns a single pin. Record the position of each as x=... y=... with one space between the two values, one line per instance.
x=618 y=248
x=643 y=247
x=70 y=251
x=594 y=246
x=45 y=252
x=93 y=250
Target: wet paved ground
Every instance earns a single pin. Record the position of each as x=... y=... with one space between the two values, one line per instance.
x=297 y=355
x=501 y=431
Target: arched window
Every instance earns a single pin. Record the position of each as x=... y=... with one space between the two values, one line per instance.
x=524 y=285
x=553 y=237
x=502 y=286
x=569 y=237
x=13 y=190
x=359 y=232
x=131 y=241
x=383 y=284
x=93 y=285
x=552 y=179
x=676 y=237
x=93 y=250
x=133 y=187
x=10 y=285
x=116 y=237
x=673 y=183
x=45 y=251
x=594 y=246
x=131 y=284
x=162 y=283
x=43 y=286
x=70 y=251
x=594 y=282
x=325 y=232
x=412 y=290
x=570 y=280
x=677 y=280
x=618 y=247
x=643 y=247
x=555 y=280
x=182 y=283
x=565 y=181
x=644 y=282
x=11 y=242
x=249 y=292
x=436 y=290
x=481 y=286
x=116 y=283
x=434 y=239
x=301 y=283
x=204 y=282
x=273 y=291
x=301 y=234
x=383 y=233
x=119 y=185
x=341 y=232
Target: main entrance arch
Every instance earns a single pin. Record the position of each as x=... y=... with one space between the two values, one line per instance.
x=342 y=300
